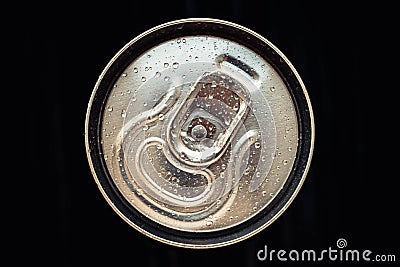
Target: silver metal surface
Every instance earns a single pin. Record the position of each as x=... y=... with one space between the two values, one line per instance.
x=199 y=134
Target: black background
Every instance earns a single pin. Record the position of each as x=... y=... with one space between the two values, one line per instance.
x=343 y=54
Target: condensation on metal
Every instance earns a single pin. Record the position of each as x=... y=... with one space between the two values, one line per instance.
x=199 y=133
x=220 y=180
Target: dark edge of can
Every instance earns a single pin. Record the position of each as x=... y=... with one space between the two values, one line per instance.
x=235 y=34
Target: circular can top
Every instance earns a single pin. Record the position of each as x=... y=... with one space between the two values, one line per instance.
x=199 y=133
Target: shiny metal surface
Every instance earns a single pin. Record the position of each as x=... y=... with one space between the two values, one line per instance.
x=197 y=134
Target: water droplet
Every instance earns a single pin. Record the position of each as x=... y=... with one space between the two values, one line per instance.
x=166 y=65
x=158 y=74
x=161 y=117
x=135 y=70
x=264 y=193
x=272 y=88
x=173 y=133
x=139 y=191
x=257 y=145
x=209 y=223
x=166 y=78
x=110 y=108
x=123 y=113
x=285 y=162
x=143 y=79
x=124 y=74
x=175 y=65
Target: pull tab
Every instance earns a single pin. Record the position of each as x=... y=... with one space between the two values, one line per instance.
x=208 y=118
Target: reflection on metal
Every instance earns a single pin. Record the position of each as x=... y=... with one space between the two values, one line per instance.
x=194 y=138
